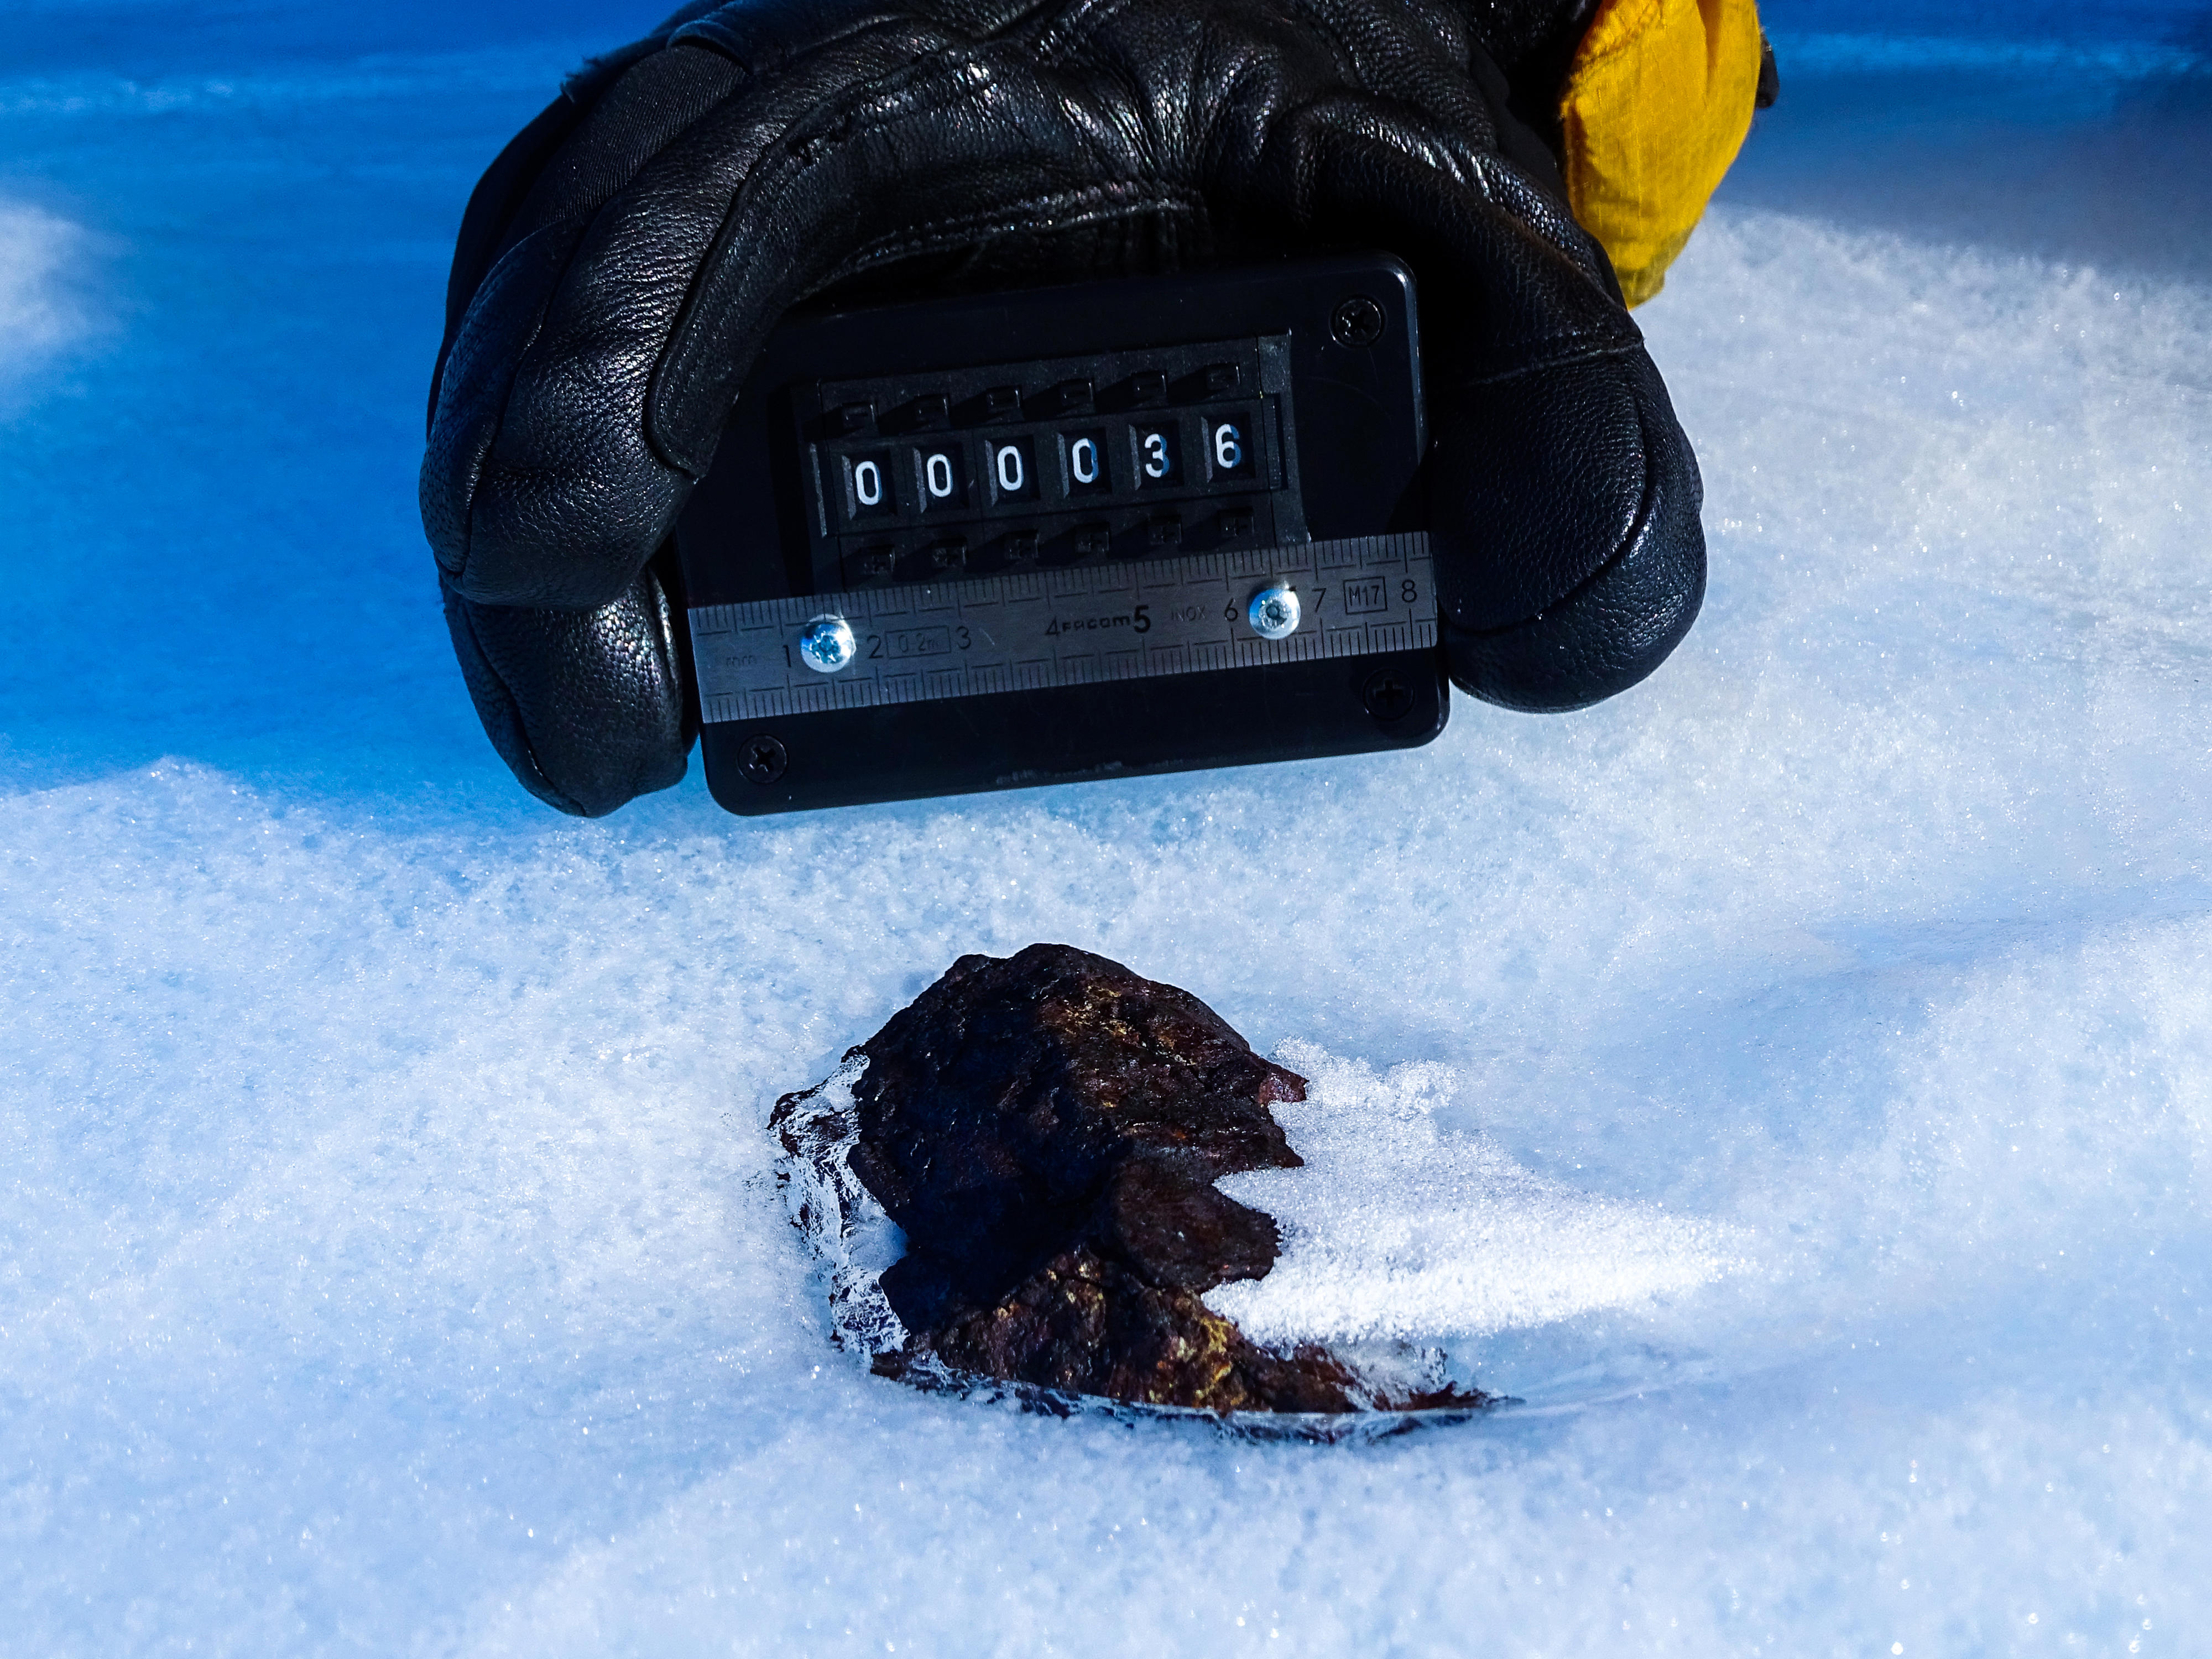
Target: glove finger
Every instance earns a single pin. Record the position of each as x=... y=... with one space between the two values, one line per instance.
x=1566 y=503
x=1563 y=497
x=1565 y=507
x=508 y=182
x=589 y=708
x=527 y=423
x=543 y=486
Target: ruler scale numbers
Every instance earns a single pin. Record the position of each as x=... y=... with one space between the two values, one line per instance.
x=1076 y=625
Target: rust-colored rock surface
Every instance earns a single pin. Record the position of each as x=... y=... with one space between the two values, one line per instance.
x=1047 y=1130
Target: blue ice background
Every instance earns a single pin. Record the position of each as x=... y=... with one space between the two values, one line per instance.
x=270 y=258
x=372 y=1134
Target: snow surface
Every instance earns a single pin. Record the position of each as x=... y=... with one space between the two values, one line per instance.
x=387 y=1173
x=1397 y=1229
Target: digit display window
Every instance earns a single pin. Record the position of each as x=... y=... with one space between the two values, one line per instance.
x=1127 y=453
x=867 y=494
x=940 y=471
x=1012 y=474
x=1156 y=454
x=1085 y=468
x=1229 y=445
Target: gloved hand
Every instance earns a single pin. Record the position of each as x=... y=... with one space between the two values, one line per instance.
x=622 y=261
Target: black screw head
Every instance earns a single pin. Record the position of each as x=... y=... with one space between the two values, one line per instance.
x=1357 y=322
x=762 y=759
x=1387 y=695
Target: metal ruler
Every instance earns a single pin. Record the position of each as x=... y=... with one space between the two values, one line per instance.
x=1075 y=625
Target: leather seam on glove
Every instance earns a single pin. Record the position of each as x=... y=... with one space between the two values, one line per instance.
x=544 y=787
x=1581 y=353
x=1645 y=508
x=674 y=660
x=934 y=236
x=506 y=405
x=1346 y=52
x=1607 y=326
x=1073 y=26
x=711 y=33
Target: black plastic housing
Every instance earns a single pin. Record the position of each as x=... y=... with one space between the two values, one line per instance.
x=1319 y=359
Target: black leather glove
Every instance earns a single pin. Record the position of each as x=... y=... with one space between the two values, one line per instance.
x=622 y=261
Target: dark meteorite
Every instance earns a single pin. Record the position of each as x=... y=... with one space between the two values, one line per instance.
x=1047 y=1130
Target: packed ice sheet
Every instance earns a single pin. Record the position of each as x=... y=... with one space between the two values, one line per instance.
x=389 y=1259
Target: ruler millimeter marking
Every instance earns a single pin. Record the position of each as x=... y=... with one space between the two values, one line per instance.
x=1074 y=625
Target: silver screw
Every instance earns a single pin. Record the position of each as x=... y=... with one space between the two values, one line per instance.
x=826 y=644
x=1274 y=612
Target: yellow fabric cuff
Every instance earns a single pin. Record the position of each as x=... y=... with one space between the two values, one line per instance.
x=1655 y=106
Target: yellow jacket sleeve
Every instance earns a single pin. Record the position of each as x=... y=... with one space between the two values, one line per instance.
x=1656 y=104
